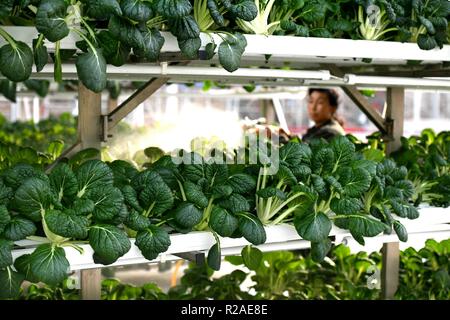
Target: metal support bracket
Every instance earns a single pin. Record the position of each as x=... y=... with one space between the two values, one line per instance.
x=139 y=96
x=194 y=256
x=105 y=122
x=361 y=101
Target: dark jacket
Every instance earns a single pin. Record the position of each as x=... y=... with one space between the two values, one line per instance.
x=328 y=130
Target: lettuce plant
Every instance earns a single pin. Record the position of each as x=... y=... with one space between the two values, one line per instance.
x=328 y=183
x=427 y=158
x=210 y=197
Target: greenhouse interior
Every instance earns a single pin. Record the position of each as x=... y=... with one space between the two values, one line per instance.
x=224 y=150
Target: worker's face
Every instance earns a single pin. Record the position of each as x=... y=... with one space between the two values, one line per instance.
x=319 y=108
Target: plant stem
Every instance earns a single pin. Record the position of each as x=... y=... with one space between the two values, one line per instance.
x=295 y=196
x=74 y=246
x=206 y=213
x=8 y=38
x=40 y=40
x=282 y=216
x=183 y=195
x=82 y=35
x=38 y=239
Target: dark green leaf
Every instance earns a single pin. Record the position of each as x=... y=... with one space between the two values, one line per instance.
x=6 y=8
x=152 y=241
x=340 y=25
x=63 y=181
x=221 y=191
x=216 y=174
x=319 y=185
x=16 y=61
x=130 y=197
x=19 y=228
x=137 y=10
x=251 y=228
x=187 y=215
x=271 y=192
x=6 y=193
x=5 y=218
x=190 y=47
x=49 y=264
x=153 y=41
x=40 y=55
x=114 y=89
x=428 y=25
x=323 y=160
x=67 y=224
x=10 y=283
x=214 y=11
x=319 y=250
x=252 y=257
x=210 y=50
x=214 y=258
x=343 y=150
x=173 y=8
x=242 y=183
x=114 y=51
x=313 y=11
x=185 y=28
x=245 y=10
x=406 y=187
x=127 y=33
x=50 y=19
x=426 y=42
x=332 y=182
x=121 y=216
x=109 y=243
x=195 y=195
x=313 y=226
x=5 y=253
x=14 y=177
x=235 y=203
x=91 y=69
x=223 y=222
x=346 y=205
x=295 y=153
x=404 y=210
x=8 y=89
x=401 y=231
x=83 y=207
x=286 y=175
x=360 y=225
x=136 y=221
x=39 y=86
x=230 y=55
x=357 y=183
x=93 y=175
x=393 y=193
x=156 y=195
x=33 y=196
x=22 y=265
x=102 y=9
x=107 y=203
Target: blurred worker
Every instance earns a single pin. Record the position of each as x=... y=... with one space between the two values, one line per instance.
x=322 y=107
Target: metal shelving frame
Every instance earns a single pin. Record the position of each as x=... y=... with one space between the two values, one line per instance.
x=312 y=61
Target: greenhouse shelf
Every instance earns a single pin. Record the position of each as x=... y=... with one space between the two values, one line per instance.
x=296 y=51
x=279 y=237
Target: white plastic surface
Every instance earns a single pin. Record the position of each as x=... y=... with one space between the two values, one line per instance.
x=280 y=237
